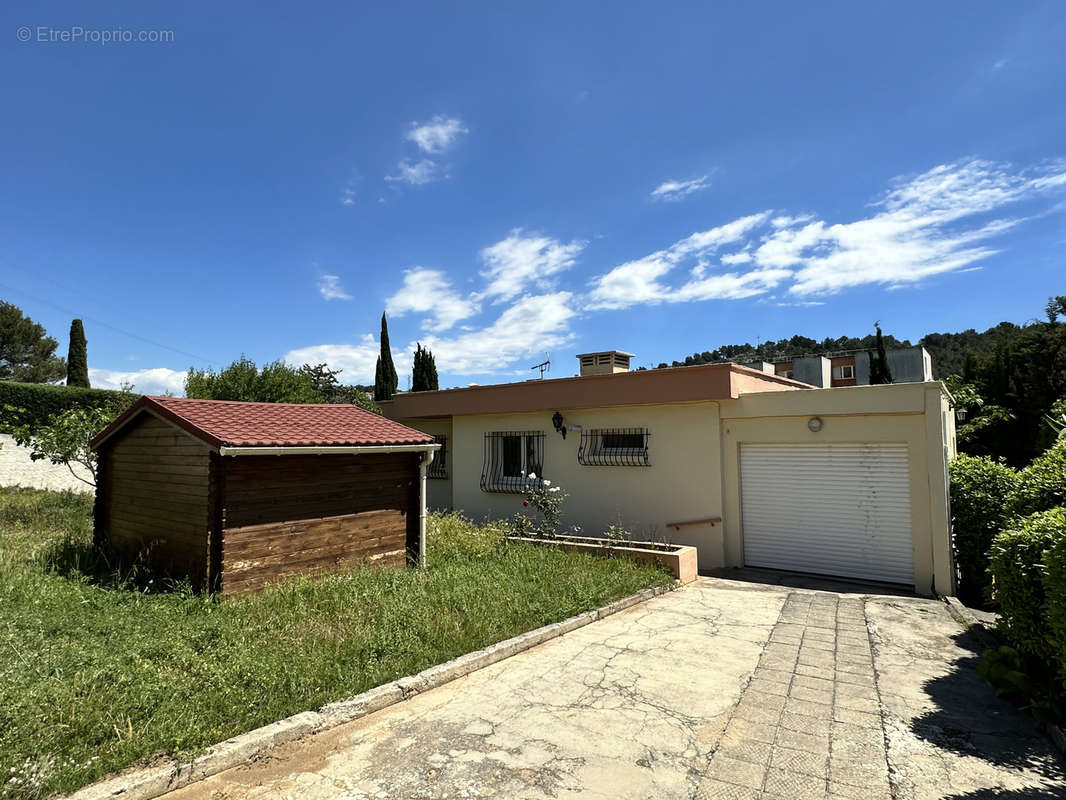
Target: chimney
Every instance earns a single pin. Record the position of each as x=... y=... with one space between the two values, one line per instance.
x=607 y=362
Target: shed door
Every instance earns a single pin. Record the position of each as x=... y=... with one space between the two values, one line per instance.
x=837 y=509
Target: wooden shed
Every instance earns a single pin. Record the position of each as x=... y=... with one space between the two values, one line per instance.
x=237 y=494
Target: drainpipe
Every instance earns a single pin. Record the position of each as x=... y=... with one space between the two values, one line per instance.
x=427 y=459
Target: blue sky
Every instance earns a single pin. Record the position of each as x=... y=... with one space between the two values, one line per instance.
x=660 y=178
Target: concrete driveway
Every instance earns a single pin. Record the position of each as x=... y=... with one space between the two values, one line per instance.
x=723 y=689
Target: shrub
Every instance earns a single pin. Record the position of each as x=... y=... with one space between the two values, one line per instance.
x=35 y=404
x=1042 y=485
x=979 y=491
x=1055 y=589
x=1017 y=565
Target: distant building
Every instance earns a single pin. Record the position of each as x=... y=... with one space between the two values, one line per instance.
x=851 y=368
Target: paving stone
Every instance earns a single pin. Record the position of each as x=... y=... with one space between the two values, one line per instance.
x=855 y=690
x=773 y=674
x=842 y=791
x=817 y=658
x=799 y=761
x=804 y=724
x=774 y=702
x=860 y=718
x=801 y=740
x=741 y=773
x=768 y=686
x=795 y=785
x=746 y=750
x=855 y=773
x=818 y=634
x=717 y=790
x=869 y=705
x=754 y=731
x=846 y=732
x=754 y=713
x=855 y=658
x=818 y=644
x=807 y=708
x=813 y=682
x=816 y=671
x=846 y=667
x=861 y=752
x=823 y=696
x=857 y=678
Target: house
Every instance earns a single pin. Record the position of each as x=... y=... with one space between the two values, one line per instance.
x=752 y=468
x=852 y=367
x=234 y=495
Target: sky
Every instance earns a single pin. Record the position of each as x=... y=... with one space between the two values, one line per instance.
x=515 y=182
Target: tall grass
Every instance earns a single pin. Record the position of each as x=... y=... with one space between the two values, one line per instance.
x=102 y=667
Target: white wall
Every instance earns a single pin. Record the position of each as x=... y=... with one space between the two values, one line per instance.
x=17 y=469
x=684 y=482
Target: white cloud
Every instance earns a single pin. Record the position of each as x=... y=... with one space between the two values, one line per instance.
x=356 y=361
x=437 y=135
x=416 y=173
x=677 y=190
x=521 y=263
x=637 y=281
x=530 y=326
x=428 y=290
x=943 y=220
x=158 y=380
x=329 y=286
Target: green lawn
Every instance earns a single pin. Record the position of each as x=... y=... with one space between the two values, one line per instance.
x=100 y=670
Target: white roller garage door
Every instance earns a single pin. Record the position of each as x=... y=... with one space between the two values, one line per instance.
x=836 y=509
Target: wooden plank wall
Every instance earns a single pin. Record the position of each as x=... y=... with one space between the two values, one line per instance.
x=284 y=515
x=157 y=496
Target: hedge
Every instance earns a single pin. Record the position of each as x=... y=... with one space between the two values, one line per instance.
x=34 y=404
x=980 y=488
x=1019 y=586
x=1041 y=485
x=1055 y=591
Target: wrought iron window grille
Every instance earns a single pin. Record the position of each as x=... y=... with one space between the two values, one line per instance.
x=510 y=457
x=615 y=447
x=438 y=469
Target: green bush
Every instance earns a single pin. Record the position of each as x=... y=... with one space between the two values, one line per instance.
x=1017 y=564
x=1055 y=589
x=980 y=488
x=34 y=404
x=1041 y=485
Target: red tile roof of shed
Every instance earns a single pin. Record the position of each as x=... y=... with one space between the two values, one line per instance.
x=225 y=423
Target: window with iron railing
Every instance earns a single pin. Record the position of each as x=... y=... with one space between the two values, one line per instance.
x=439 y=468
x=510 y=458
x=615 y=447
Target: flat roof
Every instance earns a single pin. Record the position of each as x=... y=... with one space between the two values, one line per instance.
x=639 y=387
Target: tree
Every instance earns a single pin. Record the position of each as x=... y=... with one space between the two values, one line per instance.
x=325 y=382
x=879 y=371
x=27 y=353
x=77 y=356
x=424 y=374
x=276 y=382
x=385 y=378
x=1056 y=307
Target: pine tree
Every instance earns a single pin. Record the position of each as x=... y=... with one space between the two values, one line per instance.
x=77 y=356
x=424 y=373
x=385 y=378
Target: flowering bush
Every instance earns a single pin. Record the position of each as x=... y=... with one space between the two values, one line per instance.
x=545 y=503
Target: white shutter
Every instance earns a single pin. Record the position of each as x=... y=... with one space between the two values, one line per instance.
x=836 y=509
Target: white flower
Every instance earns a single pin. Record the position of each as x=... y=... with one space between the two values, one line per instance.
x=554 y=489
x=532 y=476
x=547 y=482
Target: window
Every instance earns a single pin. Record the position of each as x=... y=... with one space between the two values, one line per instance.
x=786 y=373
x=510 y=456
x=845 y=372
x=439 y=468
x=614 y=447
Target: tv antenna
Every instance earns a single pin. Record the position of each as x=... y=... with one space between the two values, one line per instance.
x=544 y=366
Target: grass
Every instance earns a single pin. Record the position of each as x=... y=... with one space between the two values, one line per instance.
x=102 y=668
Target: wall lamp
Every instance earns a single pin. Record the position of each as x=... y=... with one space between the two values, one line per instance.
x=557 y=423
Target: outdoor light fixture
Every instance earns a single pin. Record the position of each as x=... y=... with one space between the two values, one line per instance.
x=960 y=414
x=557 y=422
x=814 y=424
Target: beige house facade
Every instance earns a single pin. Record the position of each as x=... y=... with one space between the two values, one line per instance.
x=751 y=468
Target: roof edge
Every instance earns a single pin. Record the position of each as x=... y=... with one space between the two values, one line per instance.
x=150 y=405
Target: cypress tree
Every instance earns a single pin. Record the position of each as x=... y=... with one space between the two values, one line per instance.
x=424 y=373
x=77 y=356
x=385 y=378
x=879 y=371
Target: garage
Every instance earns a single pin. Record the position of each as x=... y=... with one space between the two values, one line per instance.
x=841 y=509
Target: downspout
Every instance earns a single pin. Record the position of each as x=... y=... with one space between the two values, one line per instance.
x=423 y=466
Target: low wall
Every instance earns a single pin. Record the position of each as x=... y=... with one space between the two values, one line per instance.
x=18 y=469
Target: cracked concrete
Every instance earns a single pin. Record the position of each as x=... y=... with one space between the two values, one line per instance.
x=721 y=689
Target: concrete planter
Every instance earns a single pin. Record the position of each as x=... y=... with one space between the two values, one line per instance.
x=679 y=559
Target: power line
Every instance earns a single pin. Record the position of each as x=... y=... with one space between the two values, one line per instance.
x=103 y=324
